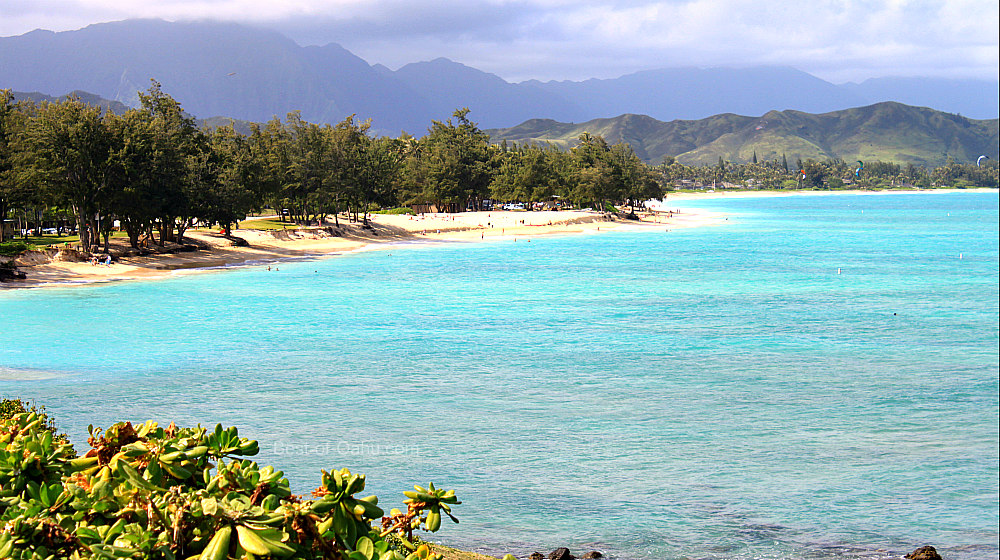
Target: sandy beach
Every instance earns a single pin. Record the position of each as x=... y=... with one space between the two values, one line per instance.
x=59 y=267
x=55 y=267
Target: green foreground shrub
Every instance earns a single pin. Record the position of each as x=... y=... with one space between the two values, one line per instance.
x=184 y=493
x=11 y=407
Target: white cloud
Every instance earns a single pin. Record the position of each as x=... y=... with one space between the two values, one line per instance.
x=556 y=39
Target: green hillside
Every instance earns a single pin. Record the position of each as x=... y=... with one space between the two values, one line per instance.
x=884 y=131
x=241 y=127
x=86 y=97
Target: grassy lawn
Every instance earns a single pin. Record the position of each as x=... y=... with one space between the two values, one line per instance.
x=265 y=224
x=43 y=241
x=47 y=240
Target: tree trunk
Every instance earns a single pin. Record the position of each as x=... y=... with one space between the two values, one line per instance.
x=95 y=232
x=84 y=228
x=133 y=235
x=166 y=231
x=182 y=227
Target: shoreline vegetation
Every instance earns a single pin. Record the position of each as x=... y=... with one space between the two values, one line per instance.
x=205 y=250
x=152 y=174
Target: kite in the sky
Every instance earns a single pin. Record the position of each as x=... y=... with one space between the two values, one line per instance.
x=857 y=172
x=979 y=160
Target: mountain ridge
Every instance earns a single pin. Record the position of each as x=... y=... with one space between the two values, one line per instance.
x=250 y=73
x=887 y=131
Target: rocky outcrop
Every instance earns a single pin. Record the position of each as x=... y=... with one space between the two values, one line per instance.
x=305 y=233
x=10 y=273
x=924 y=553
x=561 y=554
x=50 y=255
x=31 y=258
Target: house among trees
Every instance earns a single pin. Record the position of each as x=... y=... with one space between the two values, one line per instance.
x=689 y=184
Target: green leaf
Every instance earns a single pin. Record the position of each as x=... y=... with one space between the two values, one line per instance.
x=135 y=478
x=209 y=506
x=366 y=547
x=87 y=533
x=114 y=531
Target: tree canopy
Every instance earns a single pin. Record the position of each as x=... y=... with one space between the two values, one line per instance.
x=152 y=173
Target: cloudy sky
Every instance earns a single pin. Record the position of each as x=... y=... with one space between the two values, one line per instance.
x=838 y=40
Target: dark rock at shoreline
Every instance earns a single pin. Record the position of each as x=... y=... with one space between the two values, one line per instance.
x=592 y=554
x=561 y=554
x=924 y=553
x=11 y=274
x=536 y=556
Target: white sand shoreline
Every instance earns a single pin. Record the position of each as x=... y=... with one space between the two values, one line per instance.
x=300 y=244
x=303 y=244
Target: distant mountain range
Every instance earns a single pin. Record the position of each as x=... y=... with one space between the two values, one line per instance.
x=885 y=131
x=229 y=70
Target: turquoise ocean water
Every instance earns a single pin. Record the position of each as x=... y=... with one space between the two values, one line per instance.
x=710 y=393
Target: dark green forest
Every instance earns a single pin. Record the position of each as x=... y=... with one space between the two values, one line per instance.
x=153 y=173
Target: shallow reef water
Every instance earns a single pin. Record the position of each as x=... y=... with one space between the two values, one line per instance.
x=815 y=378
